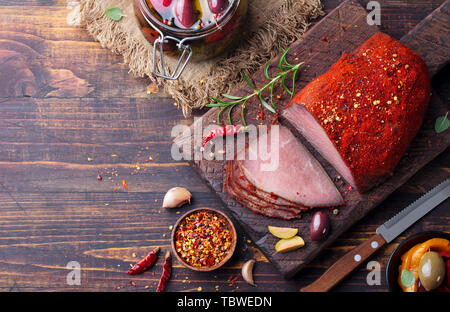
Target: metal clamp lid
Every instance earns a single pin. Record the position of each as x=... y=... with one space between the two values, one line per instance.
x=182 y=61
x=158 y=48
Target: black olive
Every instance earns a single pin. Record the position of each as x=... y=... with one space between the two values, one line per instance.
x=319 y=227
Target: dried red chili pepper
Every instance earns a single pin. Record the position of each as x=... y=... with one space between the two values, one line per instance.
x=145 y=263
x=222 y=131
x=167 y=271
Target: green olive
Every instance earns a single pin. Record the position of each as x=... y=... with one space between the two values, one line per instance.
x=431 y=270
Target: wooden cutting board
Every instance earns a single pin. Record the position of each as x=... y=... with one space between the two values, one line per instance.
x=341 y=31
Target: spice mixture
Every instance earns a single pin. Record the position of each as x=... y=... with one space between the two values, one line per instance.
x=203 y=239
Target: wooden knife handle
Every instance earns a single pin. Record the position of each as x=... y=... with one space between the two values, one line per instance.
x=346 y=265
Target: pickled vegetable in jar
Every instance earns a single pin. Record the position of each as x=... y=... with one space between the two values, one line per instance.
x=188 y=14
x=190 y=30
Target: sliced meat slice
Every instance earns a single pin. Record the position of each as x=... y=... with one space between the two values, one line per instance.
x=291 y=172
x=363 y=113
x=259 y=207
x=241 y=181
x=307 y=125
x=248 y=191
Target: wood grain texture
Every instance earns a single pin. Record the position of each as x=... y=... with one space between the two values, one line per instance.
x=341 y=31
x=54 y=141
x=431 y=38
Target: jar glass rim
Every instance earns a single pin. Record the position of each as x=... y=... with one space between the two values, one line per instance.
x=213 y=27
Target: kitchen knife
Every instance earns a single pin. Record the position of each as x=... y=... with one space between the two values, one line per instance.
x=385 y=234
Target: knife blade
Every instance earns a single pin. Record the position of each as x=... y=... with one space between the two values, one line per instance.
x=384 y=234
x=408 y=216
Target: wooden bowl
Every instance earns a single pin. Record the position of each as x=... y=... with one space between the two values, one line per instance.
x=230 y=252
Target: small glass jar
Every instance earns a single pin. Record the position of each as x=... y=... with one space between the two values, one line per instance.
x=195 y=44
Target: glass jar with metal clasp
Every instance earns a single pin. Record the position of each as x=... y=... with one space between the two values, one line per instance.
x=191 y=30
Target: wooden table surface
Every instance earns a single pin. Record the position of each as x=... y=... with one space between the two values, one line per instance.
x=70 y=111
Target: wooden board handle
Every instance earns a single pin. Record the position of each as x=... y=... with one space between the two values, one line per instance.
x=346 y=265
x=431 y=38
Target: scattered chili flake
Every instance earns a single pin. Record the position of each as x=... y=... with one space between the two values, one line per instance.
x=233 y=279
x=324 y=39
x=203 y=239
x=124 y=183
x=99 y=177
x=260 y=115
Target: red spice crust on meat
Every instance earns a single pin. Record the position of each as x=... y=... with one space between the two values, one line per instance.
x=371 y=104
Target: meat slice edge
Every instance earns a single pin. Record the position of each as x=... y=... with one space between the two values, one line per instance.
x=299 y=177
x=258 y=208
x=308 y=126
x=242 y=181
x=241 y=186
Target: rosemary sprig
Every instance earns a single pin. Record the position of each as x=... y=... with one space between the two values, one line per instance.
x=231 y=101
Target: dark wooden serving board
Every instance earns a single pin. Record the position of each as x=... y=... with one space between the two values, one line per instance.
x=341 y=31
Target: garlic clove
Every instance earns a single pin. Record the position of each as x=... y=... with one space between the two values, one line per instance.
x=176 y=197
x=247 y=272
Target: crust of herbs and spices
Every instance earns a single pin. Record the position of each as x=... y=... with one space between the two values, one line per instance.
x=371 y=104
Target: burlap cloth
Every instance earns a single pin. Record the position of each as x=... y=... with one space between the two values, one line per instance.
x=270 y=24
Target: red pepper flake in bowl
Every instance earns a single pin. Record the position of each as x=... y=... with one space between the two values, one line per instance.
x=204 y=239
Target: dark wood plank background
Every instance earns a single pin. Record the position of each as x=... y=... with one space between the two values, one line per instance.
x=69 y=111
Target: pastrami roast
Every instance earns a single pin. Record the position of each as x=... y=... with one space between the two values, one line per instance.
x=363 y=113
x=295 y=176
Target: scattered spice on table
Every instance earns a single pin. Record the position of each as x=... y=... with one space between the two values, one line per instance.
x=233 y=280
x=167 y=271
x=145 y=263
x=152 y=88
x=203 y=239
